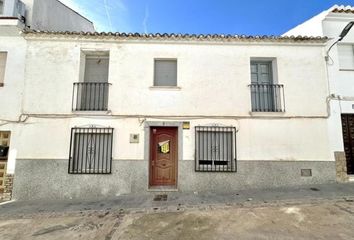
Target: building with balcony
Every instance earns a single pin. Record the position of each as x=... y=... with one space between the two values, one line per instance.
x=340 y=65
x=15 y=16
x=112 y=114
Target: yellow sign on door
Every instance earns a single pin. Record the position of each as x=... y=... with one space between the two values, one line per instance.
x=164 y=146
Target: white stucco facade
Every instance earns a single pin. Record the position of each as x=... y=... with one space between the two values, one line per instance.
x=212 y=87
x=341 y=96
x=213 y=80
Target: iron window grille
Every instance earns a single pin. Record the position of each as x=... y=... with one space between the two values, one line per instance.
x=267 y=97
x=215 y=149
x=90 y=96
x=91 y=151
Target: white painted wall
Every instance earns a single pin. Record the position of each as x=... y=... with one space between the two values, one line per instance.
x=256 y=139
x=11 y=93
x=213 y=81
x=341 y=82
x=205 y=74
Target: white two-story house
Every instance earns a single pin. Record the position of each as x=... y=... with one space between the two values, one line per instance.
x=15 y=16
x=340 y=64
x=105 y=114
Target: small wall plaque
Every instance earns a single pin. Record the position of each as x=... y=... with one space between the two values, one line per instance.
x=186 y=125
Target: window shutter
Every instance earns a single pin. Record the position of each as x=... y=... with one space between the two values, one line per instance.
x=96 y=69
x=346 y=56
x=165 y=73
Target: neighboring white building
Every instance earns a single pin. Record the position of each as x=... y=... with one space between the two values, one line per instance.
x=42 y=15
x=109 y=114
x=15 y=16
x=340 y=66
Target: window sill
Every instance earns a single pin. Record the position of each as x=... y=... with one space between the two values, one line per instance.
x=81 y=112
x=267 y=113
x=166 y=88
x=346 y=70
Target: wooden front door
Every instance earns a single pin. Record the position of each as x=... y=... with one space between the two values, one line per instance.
x=163 y=156
x=348 y=139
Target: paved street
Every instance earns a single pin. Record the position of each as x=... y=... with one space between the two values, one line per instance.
x=321 y=220
x=308 y=212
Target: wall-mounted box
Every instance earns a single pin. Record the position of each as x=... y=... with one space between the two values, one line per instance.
x=134 y=138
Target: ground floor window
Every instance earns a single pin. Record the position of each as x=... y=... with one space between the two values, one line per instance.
x=215 y=149
x=91 y=151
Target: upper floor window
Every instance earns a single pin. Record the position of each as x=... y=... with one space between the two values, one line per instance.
x=91 y=94
x=3 y=57
x=346 y=56
x=165 y=72
x=266 y=94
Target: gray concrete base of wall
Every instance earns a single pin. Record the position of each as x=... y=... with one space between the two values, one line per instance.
x=341 y=167
x=49 y=179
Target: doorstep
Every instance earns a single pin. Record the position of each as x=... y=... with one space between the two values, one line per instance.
x=163 y=189
x=351 y=178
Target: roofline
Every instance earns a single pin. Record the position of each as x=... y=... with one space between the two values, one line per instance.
x=342 y=9
x=174 y=36
x=74 y=11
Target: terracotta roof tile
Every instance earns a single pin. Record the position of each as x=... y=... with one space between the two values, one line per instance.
x=343 y=9
x=176 y=37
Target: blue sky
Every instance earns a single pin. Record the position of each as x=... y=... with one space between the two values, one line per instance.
x=251 y=17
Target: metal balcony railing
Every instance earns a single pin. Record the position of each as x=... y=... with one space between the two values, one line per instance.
x=267 y=97
x=90 y=96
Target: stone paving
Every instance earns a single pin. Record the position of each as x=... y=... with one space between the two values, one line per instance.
x=305 y=212
x=177 y=200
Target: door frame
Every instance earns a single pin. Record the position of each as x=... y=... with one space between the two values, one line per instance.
x=147 y=149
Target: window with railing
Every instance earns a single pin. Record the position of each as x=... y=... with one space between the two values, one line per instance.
x=91 y=151
x=215 y=149
x=266 y=96
x=92 y=93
